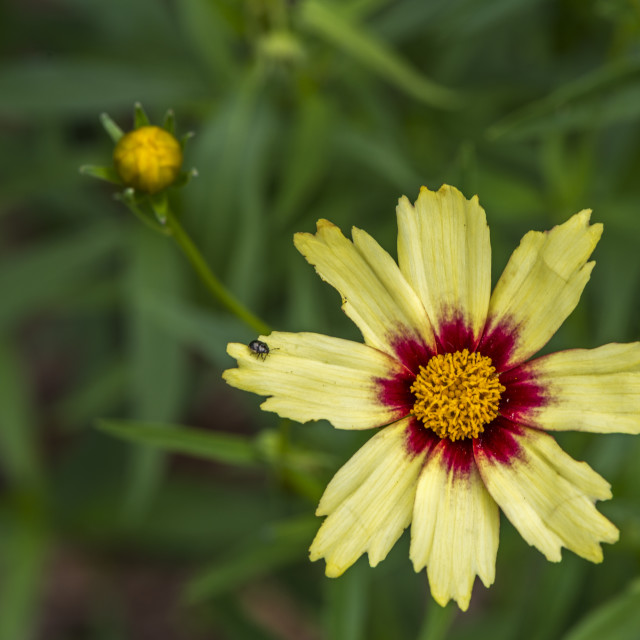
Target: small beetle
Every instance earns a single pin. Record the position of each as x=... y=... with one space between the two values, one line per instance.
x=261 y=349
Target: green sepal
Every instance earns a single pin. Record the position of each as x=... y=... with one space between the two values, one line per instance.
x=144 y=213
x=185 y=138
x=160 y=206
x=102 y=173
x=140 y=118
x=184 y=177
x=169 y=122
x=114 y=131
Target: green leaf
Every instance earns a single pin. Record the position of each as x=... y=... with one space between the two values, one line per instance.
x=307 y=157
x=264 y=551
x=618 y=619
x=561 y=591
x=247 y=262
x=327 y=22
x=18 y=444
x=437 y=621
x=209 y=36
x=94 y=396
x=158 y=363
x=220 y=153
x=172 y=438
x=382 y=157
x=83 y=87
x=205 y=331
x=23 y=559
x=40 y=275
x=348 y=603
x=598 y=98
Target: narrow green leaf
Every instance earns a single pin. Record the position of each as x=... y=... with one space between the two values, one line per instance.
x=96 y=395
x=41 y=275
x=246 y=268
x=437 y=621
x=83 y=86
x=172 y=438
x=561 y=590
x=159 y=369
x=329 y=24
x=220 y=153
x=18 y=452
x=158 y=361
x=209 y=36
x=618 y=619
x=381 y=156
x=264 y=551
x=205 y=331
x=595 y=99
x=348 y=600
x=23 y=556
x=307 y=157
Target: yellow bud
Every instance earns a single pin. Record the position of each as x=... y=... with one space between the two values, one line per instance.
x=148 y=159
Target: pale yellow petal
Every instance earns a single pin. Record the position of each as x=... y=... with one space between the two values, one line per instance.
x=548 y=496
x=539 y=288
x=375 y=294
x=313 y=377
x=588 y=390
x=369 y=501
x=455 y=528
x=445 y=253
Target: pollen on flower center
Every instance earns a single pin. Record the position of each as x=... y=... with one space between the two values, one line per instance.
x=457 y=394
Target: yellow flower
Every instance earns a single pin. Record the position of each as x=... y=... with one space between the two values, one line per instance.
x=148 y=159
x=444 y=371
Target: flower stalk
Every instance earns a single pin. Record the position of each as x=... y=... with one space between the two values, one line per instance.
x=215 y=287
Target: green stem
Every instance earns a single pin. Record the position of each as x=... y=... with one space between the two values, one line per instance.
x=209 y=279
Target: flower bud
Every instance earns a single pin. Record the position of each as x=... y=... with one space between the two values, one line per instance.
x=148 y=159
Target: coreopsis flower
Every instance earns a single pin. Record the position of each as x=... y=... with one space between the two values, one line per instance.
x=148 y=159
x=464 y=415
x=146 y=162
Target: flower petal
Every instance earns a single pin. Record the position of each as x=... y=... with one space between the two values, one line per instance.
x=547 y=495
x=587 y=390
x=455 y=528
x=445 y=254
x=369 y=501
x=313 y=377
x=375 y=294
x=539 y=288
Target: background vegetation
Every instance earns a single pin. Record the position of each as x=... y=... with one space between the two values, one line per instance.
x=301 y=110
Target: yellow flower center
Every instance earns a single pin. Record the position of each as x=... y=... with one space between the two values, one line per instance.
x=457 y=394
x=148 y=159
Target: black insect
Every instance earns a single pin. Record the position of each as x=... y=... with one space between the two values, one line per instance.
x=261 y=349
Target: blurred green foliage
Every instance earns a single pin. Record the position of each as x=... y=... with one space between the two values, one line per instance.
x=302 y=109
